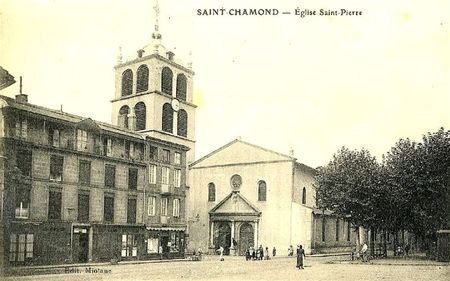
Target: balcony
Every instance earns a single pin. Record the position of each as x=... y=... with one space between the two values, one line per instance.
x=164 y=220
x=22 y=212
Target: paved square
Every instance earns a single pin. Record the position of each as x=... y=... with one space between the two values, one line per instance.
x=236 y=268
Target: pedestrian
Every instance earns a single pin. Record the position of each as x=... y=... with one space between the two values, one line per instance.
x=247 y=254
x=364 y=252
x=220 y=250
x=253 y=252
x=160 y=250
x=274 y=252
x=266 y=254
x=407 y=248
x=300 y=256
x=261 y=252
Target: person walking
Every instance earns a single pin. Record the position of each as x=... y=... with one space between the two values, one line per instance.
x=300 y=256
x=274 y=252
x=220 y=250
x=261 y=252
x=364 y=252
x=266 y=254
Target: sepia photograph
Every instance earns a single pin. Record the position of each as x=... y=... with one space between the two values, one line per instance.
x=224 y=140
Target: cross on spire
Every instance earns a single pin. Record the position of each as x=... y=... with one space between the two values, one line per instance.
x=156 y=8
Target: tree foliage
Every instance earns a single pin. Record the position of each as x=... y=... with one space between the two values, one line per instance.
x=408 y=190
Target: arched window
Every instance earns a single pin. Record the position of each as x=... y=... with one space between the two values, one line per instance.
x=211 y=192
x=166 y=81
x=181 y=87
x=127 y=82
x=167 y=118
x=182 y=123
x=142 y=79
x=304 y=196
x=140 y=111
x=123 y=116
x=262 y=190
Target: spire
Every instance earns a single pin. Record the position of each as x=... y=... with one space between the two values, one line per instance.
x=156 y=35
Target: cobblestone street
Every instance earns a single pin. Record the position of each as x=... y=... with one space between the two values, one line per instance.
x=235 y=268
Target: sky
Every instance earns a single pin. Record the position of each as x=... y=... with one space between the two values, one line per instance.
x=311 y=84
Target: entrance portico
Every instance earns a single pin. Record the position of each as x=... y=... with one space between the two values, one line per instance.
x=233 y=225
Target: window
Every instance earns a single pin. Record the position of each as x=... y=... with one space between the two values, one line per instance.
x=348 y=231
x=140 y=111
x=127 y=82
x=132 y=178
x=110 y=175
x=56 y=167
x=177 y=158
x=21 y=128
x=176 y=208
x=54 y=205
x=131 y=210
x=123 y=116
x=304 y=196
x=129 y=149
x=152 y=245
x=81 y=140
x=23 y=162
x=153 y=153
x=323 y=229
x=164 y=202
x=165 y=155
x=142 y=79
x=53 y=137
x=84 y=176
x=182 y=120
x=166 y=81
x=165 y=173
x=262 y=189
x=83 y=207
x=129 y=246
x=211 y=192
x=107 y=146
x=174 y=242
x=177 y=178
x=152 y=174
x=167 y=118
x=108 y=208
x=22 y=202
x=337 y=229
x=181 y=87
x=151 y=205
x=21 y=247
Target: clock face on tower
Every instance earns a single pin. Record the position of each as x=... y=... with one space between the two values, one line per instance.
x=175 y=104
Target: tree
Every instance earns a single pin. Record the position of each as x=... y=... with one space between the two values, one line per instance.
x=347 y=185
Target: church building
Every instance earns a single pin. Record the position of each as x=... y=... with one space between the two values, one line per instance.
x=242 y=195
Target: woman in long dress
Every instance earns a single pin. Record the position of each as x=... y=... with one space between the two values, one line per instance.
x=300 y=256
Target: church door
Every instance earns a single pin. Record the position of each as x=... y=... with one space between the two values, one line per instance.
x=223 y=237
x=246 y=236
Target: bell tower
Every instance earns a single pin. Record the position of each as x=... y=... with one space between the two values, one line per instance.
x=154 y=94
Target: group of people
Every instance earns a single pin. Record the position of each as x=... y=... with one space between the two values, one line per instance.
x=260 y=253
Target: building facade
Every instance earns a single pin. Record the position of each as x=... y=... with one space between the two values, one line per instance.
x=76 y=190
x=243 y=195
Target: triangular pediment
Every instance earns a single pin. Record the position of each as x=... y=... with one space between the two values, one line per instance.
x=235 y=203
x=240 y=152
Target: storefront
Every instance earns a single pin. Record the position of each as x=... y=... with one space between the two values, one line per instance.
x=165 y=242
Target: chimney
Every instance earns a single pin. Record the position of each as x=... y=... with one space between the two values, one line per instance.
x=22 y=98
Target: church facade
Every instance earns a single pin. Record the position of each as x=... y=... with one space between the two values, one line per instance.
x=242 y=195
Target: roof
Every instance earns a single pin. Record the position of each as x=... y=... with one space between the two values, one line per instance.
x=6 y=79
x=64 y=116
x=281 y=155
x=243 y=142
